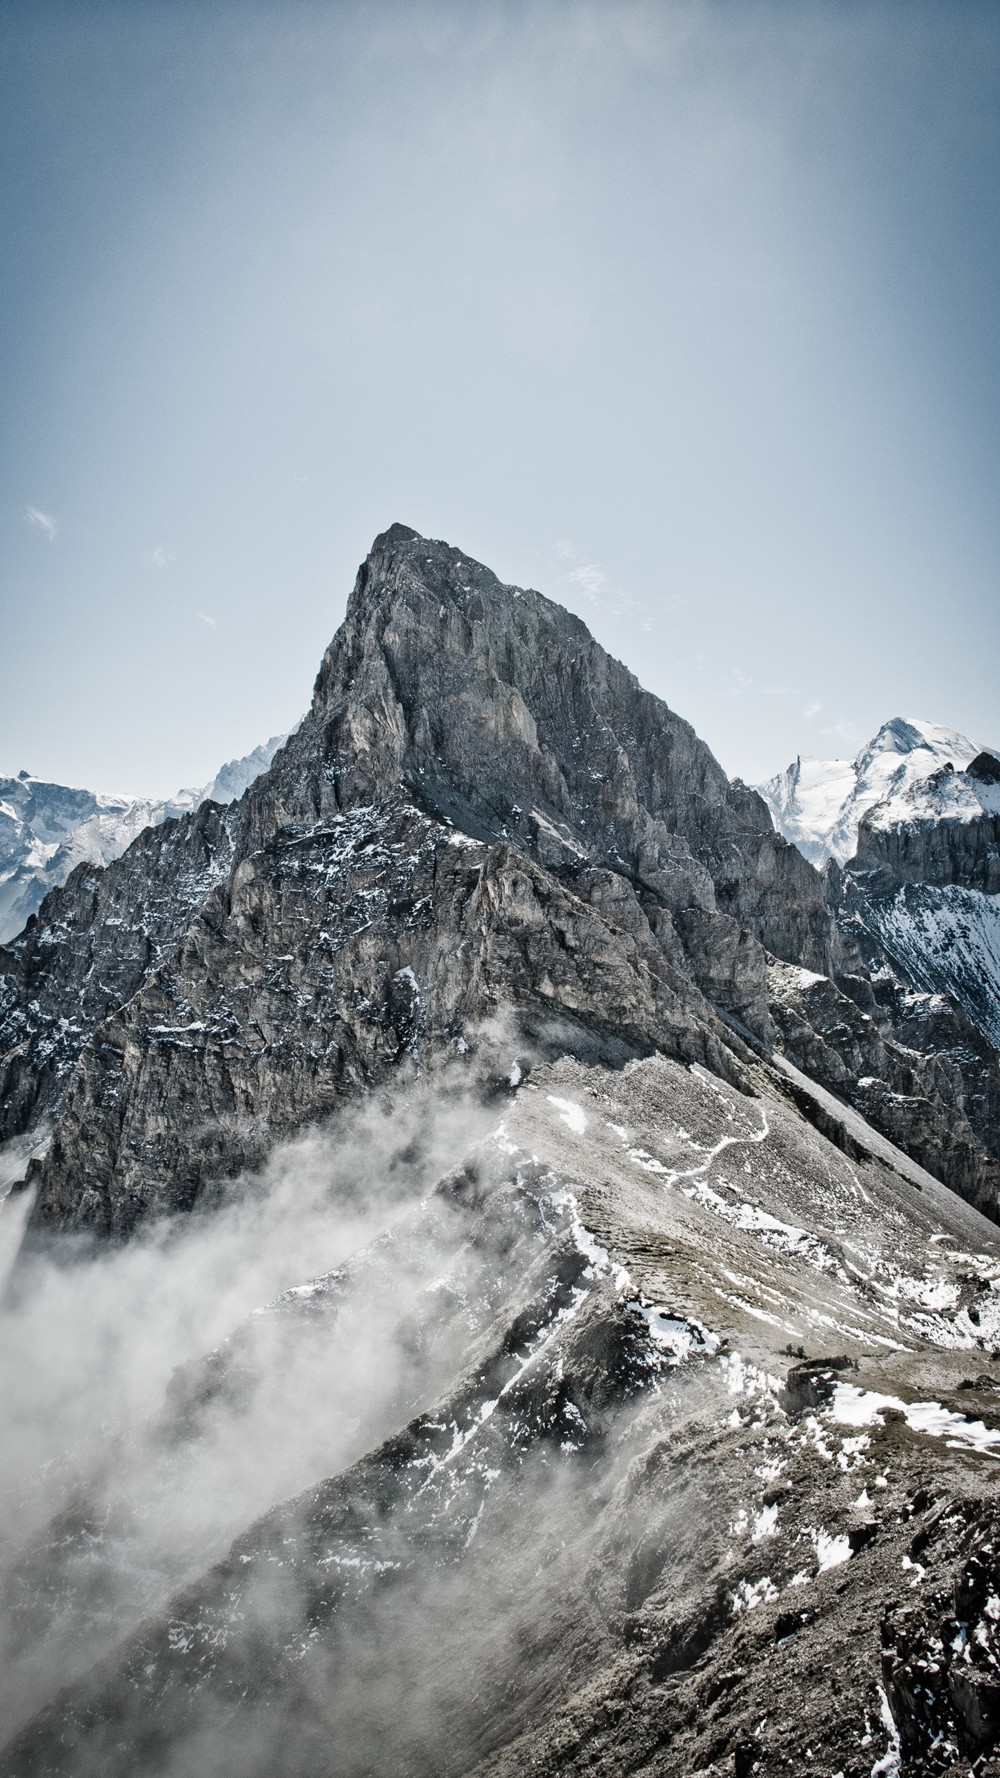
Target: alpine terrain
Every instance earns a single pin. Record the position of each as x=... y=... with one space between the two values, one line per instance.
x=913 y=821
x=510 y=1272
x=48 y=829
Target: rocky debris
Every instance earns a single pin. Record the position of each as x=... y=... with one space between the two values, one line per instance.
x=578 y=1531
x=939 y=1662
x=810 y=1383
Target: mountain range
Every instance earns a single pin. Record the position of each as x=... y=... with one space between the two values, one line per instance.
x=818 y=803
x=510 y=1271
x=46 y=830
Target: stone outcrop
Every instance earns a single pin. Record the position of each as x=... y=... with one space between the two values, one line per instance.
x=91 y=946
x=943 y=829
x=930 y=850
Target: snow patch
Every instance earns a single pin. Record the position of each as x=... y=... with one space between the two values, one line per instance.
x=570 y=1113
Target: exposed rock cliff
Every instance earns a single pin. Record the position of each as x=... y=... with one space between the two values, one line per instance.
x=943 y=829
x=482 y=817
x=92 y=946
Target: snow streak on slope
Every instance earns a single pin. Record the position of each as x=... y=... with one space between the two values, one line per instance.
x=946 y=941
x=46 y=830
x=817 y=803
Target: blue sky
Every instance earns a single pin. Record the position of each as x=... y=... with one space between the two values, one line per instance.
x=684 y=313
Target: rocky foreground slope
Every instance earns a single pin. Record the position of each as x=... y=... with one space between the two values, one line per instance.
x=657 y=1435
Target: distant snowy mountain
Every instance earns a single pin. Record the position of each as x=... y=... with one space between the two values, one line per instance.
x=944 y=941
x=818 y=803
x=915 y=820
x=48 y=829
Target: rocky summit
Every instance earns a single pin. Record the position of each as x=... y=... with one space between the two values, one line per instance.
x=583 y=1216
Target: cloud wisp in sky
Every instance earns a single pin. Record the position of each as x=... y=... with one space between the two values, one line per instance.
x=41 y=521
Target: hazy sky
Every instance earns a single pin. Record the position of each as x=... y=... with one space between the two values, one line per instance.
x=684 y=313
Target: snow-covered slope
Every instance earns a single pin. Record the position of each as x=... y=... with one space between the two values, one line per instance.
x=945 y=940
x=949 y=794
x=48 y=829
x=817 y=803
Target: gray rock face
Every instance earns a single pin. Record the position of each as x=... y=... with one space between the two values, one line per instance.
x=931 y=850
x=93 y=944
x=483 y=817
x=47 y=830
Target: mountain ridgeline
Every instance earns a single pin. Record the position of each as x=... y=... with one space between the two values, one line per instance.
x=482 y=817
x=537 y=1288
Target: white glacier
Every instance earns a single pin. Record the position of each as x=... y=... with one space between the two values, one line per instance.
x=817 y=803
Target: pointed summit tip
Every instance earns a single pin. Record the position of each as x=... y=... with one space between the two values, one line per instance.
x=396 y=534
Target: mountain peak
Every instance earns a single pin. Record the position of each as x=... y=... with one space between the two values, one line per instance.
x=396 y=533
x=818 y=803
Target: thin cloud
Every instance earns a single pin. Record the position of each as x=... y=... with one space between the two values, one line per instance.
x=814 y=710
x=842 y=731
x=41 y=521
x=591 y=579
x=206 y=619
x=158 y=557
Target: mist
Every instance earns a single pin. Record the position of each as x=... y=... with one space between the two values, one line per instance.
x=416 y=1411
x=154 y=1405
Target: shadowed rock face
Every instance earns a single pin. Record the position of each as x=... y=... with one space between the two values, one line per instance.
x=483 y=817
